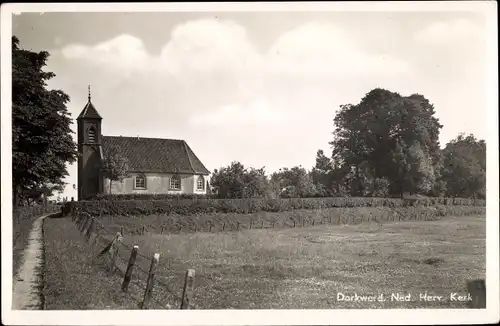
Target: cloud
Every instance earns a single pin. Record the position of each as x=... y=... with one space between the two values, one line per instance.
x=125 y=53
x=458 y=32
x=321 y=48
x=211 y=74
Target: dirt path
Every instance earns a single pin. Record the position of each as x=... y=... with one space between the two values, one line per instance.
x=27 y=283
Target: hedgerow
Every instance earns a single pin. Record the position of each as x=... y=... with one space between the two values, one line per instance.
x=197 y=206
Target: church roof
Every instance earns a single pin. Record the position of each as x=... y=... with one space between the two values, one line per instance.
x=89 y=111
x=155 y=154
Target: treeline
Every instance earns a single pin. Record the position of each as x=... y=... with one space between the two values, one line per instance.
x=385 y=146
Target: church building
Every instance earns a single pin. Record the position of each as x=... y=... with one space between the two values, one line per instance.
x=156 y=166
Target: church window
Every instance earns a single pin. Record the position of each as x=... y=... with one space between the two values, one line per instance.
x=175 y=182
x=92 y=135
x=200 y=183
x=140 y=182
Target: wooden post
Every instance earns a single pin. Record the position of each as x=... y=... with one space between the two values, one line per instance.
x=85 y=225
x=90 y=230
x=113 y=252
x=273 y=223
x=150 y=282
x=187 y=292
x=313 y=222
x=262 y=224
x=293 y=223
x=330 y=219
x=143 y=229
x=81 y=222
x=237 y=226
x=224 y=226
x=130 y=268
x=162 y=227
x=251 y=222
x=209 y=227
x=477 y=290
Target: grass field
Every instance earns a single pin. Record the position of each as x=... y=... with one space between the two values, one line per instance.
x=292 y=268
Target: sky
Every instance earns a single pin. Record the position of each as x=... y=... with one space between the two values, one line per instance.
x=261 y=88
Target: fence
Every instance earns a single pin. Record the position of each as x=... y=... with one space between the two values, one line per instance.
x=292 y=219
x=130 y=268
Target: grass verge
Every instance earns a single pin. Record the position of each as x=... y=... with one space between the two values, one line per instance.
x=74 y=278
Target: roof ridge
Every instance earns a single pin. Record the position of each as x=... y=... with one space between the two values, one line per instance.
x=134 y=137
x=189 y=156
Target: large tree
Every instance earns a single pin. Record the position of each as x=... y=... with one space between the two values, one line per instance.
x=42 y=144
x=464 y=167
x=388 y=137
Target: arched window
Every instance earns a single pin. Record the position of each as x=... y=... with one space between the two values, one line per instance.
x=200 y=183
x=140 y=181
x=175 y=182
x=92 y=134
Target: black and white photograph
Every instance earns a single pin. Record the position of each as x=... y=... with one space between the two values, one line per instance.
x=284 y=163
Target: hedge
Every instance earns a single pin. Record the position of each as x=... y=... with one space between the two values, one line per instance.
x=30 y=212
x=196 y=206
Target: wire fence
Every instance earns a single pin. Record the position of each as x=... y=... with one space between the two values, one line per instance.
x=137 y=269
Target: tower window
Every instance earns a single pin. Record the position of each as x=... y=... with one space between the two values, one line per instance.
x=175 y=182
x=92 y=135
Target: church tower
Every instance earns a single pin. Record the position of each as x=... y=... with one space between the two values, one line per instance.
x=90 y=151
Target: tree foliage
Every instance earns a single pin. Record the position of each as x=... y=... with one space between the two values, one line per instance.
x=388 y=137
x=115 y=167
x=295 y=182
x=236 y=181
x=42 y=144
x=464 y=167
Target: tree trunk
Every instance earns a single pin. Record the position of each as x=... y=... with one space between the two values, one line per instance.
x=17 y=193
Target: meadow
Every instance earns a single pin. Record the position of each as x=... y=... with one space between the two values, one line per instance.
x=278 y=268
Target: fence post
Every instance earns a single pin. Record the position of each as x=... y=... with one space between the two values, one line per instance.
x=121 y=230
x=238 y=226
x=161 y=232
x=262 y=224
x=273 y=223
x=224 y=226
x=477 y=290
x=251 y=222
x=150 y=282
x=143 y=229
x=85 y=224
x=91 y=229
x=130 y=267
x=313 y=222
x=209 y=227
x=187 y=292
x=113 y=251
x=293 y=223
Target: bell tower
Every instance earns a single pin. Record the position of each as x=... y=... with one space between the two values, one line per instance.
x=89 y=141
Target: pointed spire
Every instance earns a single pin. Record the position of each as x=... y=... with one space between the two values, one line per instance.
x=89 y=110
